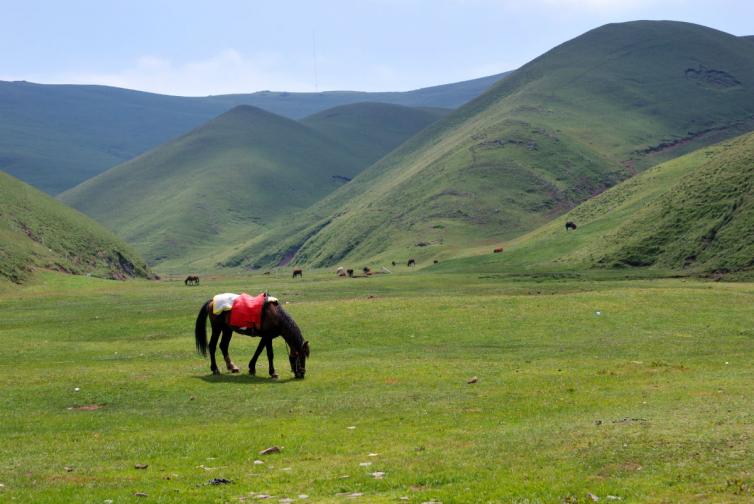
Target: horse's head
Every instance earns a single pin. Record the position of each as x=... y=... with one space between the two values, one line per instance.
x=298 y=358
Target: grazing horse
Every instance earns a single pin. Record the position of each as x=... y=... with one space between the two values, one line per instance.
x=350 y=273
x=393 y=263
x=498 y=250
x=366 y=270
x=191 y=280
x=298 y=273
x=275 y=322
x=411 y=263
x=570 y=225
x=436 y=261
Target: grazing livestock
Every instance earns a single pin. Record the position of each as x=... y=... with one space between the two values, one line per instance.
x=298 y=273
x=350 y=273
x=436 y=261
x=340 y=272
x=498 y=250
x=570 y=225
x=191 y=280
x=366 y=270
x=411 y=263
x=393 y=263
x=260 y=316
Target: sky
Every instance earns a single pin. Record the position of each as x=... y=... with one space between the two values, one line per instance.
x=198 y=48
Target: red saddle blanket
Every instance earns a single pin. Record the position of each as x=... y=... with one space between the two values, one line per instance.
x=247 y=311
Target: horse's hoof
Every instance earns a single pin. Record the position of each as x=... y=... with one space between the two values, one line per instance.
x=235 y=370
x=216 y=371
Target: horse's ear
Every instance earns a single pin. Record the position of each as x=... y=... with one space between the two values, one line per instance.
x=306 y=348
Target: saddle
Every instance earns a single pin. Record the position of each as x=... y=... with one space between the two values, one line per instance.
x=247 y=311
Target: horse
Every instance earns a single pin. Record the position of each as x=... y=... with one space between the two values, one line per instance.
x=393 y=263
x=436 y=261
x=411 y=262
x=570 y=225
x=350 y=273
x=275 y=322
x=497 y=250
x=340 y=272
x=191 y=280
x=298 y=273
x=366 y=270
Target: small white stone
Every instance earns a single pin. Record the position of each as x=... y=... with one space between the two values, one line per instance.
x=372 y=454
x=76 y=389
x=258 y=462
x=365 y=464
x=303 y=496
x=351 y=427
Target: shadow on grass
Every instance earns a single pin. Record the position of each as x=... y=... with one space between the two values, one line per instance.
x=242 y=378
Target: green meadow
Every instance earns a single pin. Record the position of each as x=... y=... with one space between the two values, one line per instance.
x=623 y=390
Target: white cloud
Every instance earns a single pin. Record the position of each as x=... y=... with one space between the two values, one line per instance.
x=228 y=71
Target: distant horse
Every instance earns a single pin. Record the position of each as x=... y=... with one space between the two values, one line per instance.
x=340 y=272
x=366 y=270
x=275 y=322
x=498 y=250
x=570 y=225
x=393 y=263
x=350 y=273
x=191 y=280
x=436 y=261
x=411 y=262
x=298 y=273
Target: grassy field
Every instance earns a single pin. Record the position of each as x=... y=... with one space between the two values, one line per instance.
x=639 y=390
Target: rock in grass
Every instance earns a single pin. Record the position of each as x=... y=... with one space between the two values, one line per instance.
x=141 y=494
x=270 y=450
x=219 y=481
x=141 y=466
x=593 y=497
x=473 y=379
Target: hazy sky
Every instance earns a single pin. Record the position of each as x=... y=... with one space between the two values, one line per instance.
x=191 y=47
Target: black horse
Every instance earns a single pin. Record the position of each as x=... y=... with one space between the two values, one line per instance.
x=191 y=280
x=275 y=322
x=570 y=225
x=411 y=262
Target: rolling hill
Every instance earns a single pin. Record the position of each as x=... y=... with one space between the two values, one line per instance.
x=56 y=136
x=371 y=130
x=691 y=215
x=558 y=131
x=226 y=180
x=37 y=231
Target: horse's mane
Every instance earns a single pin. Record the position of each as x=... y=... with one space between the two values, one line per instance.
x=289 y=326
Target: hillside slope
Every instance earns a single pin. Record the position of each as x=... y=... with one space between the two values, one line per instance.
x=563 y=128
x=36 y=231
x=371 y=130
x=693 y=214
x=56 y=136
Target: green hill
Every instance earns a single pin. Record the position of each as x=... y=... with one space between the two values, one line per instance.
x=56 y=136
x=36 y=231
x=227 y=180
x=371 y=130
x=691 y=215
x=561 y=129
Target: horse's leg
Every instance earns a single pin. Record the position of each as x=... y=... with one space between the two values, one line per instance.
x=224 y=344
x=273 y=374
x=212 y=347
x=253 y=361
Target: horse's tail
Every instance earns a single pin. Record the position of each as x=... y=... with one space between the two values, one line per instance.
x=200 y=331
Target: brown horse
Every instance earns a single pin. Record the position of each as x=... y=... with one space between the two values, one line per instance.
x=275 y=322
x=498 y=250
x=570 y=225
x=191 y=280
x=298 y=273
x=411 y=262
